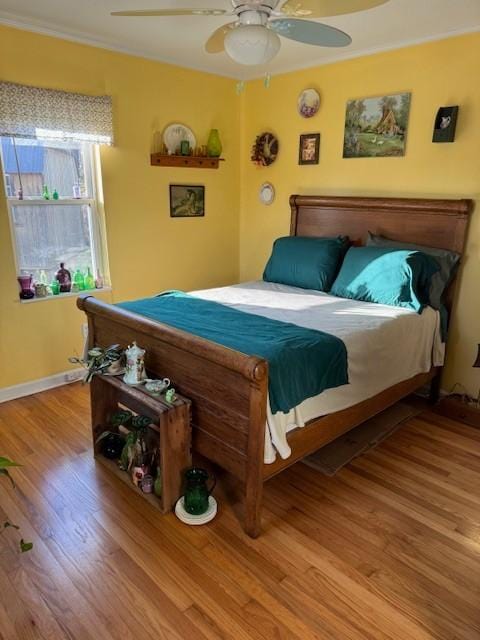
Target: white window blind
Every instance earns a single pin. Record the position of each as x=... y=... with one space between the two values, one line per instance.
x=33 y=112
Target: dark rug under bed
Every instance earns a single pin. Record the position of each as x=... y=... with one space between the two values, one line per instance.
x=331 y=458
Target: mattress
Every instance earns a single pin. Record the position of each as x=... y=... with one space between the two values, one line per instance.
x=385 y=345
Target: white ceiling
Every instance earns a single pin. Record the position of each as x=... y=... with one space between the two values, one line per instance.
x=180 y=40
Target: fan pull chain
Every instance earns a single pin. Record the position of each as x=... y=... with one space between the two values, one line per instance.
x=240 y=87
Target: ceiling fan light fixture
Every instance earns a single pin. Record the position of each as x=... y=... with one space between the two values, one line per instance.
x=252 y=44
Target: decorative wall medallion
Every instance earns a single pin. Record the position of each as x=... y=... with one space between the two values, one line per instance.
x=265 y=149
x=308 y=103
x=267 y=193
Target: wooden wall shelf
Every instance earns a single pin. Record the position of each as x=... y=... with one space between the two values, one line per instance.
x=196 y=162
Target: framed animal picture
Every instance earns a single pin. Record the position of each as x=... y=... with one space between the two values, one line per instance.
x=376 y=127
x=187 y=201
x=309 y=148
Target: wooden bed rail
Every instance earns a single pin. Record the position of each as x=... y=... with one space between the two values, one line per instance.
x=251 y=367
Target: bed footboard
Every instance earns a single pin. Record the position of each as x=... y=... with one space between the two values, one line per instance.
x=228 y=390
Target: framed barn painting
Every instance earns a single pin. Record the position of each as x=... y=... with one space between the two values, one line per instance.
x=309 y=148
x=376 y=127
x=187 y=201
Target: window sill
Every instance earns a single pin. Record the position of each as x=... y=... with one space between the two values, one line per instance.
x=61 y=296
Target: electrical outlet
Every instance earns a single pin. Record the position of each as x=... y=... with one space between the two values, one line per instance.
x=71 y=376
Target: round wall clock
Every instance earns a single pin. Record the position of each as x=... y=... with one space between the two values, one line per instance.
x=308 y=103
x=267 y=193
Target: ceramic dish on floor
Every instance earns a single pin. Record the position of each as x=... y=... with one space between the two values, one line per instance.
x=187 y=518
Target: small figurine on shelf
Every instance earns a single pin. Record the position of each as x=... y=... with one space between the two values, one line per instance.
x=64 y=278
x=135 y=367
x=170 y=396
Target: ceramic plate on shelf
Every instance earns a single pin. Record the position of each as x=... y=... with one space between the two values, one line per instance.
x=187 y=518
x=173 y=136
x=308 y=103
x=267 y=193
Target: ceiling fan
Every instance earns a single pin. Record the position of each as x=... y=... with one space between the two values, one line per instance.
x=253 y=37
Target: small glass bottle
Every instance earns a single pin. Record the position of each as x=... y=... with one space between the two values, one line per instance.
x=147 y=483
x=89 y=280
x=79 y=280
x=45 y=193
x=43 y=277
x=64 y=278
x=55 y=195
x=99 y=280
x=55 y=287
x=157 y=485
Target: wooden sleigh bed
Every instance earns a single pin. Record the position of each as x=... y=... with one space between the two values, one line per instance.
x=229 y=389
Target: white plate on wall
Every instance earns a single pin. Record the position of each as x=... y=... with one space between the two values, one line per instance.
x=308 y=103
x=173 y=136
x=266 y=194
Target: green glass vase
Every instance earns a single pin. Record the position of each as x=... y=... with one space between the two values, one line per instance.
x=214 y=145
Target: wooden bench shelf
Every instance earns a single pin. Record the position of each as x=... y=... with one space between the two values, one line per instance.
x=196 y=162
x=170 y=424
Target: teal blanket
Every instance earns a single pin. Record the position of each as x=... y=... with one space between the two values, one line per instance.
x=302 y=362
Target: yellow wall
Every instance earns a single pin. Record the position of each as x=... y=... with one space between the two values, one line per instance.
x=148 y=250
x=437 y=74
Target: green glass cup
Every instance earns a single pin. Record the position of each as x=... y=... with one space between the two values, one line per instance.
x=195 y=500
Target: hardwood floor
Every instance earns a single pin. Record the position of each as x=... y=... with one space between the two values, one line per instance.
x=389 y=548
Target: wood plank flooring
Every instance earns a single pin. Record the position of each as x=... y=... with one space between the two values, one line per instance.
x=389 y=548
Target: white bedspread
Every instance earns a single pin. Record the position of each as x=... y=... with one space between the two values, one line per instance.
x=385 y=345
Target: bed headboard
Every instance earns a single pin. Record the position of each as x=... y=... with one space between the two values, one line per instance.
x=434 y=223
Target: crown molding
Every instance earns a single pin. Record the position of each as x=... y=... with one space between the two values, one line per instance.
x=340 y=57
x=18 y=22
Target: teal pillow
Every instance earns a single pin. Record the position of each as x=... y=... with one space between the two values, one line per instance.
x=387 y=276
x=308 y=263
x=447 y=260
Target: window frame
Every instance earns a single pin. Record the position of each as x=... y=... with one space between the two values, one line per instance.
x=98 y=243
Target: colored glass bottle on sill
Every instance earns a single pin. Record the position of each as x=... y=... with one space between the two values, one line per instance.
x=55 y=195
x=26 y=287
x=55 y=287
x=79 y=280
x=64 y=279
x=99 y=280
x=45 y=192
x=89 y=280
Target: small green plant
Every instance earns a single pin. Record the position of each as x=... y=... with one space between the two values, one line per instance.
x=135 y=438
x=99 y=360
x=5 y=465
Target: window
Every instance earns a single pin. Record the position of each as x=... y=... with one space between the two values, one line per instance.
x=64 y=228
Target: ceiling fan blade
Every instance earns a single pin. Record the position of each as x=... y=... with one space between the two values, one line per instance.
x=310 y=32
x=215 y=44
x=170 y=12
x=325 y=8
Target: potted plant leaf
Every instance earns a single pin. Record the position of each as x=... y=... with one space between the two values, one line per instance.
x=99 y=360
x=5 y=465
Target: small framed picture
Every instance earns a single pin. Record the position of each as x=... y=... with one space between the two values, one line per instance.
x=187 y=200
x=309 y=148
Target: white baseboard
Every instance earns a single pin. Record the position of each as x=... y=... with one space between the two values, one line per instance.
x=35 y=386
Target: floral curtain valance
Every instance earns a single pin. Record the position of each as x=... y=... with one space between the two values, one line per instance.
x=32 y=112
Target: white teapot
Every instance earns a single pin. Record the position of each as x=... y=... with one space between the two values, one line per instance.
x=135 y=365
